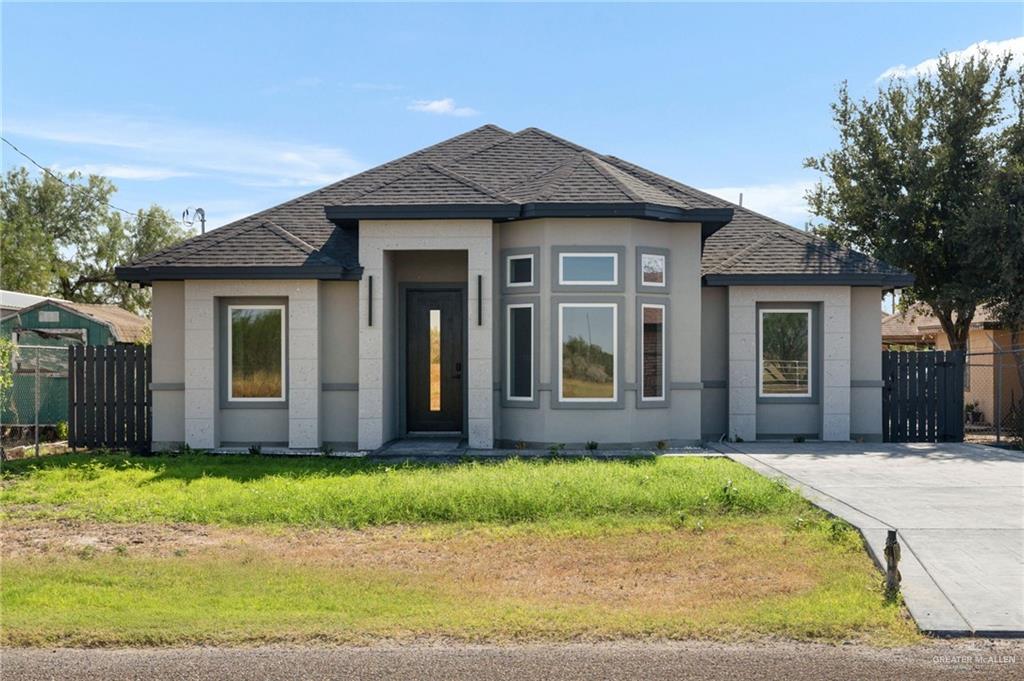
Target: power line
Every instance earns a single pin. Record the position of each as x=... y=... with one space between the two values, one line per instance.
x=63 y=181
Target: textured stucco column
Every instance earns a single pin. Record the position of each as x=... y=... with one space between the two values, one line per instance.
x=201 y=370
x=835 y=398
x=377 y=357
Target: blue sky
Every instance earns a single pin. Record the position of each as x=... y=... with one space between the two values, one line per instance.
x=237 y=107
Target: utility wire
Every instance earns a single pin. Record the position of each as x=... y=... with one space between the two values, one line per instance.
x=63 y=181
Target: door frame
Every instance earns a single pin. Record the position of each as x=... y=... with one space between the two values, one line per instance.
x=403 y=295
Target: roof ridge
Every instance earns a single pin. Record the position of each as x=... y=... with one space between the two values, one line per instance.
x=555 y=138
x=722 y=267
x=600 y=167
x=468 y=182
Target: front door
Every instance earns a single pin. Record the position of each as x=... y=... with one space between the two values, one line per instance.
x=434 y=361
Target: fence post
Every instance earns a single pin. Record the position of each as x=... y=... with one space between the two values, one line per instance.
x=36 y=400
x=892 y=561
x=998 y=361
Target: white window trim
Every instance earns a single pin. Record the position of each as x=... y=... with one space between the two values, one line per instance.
x=664 y=332
x=508 y=270
x=664 y=268
x=760 y=354
x=508 y=352
x=284 y=366
x=615 y=353
x=614 y=281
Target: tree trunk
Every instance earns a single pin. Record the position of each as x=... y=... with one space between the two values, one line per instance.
x=957 y=331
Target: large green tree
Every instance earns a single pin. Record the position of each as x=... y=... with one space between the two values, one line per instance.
x=59 y=237
x=913 y=178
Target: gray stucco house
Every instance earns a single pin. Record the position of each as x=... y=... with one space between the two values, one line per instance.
x=511 y=287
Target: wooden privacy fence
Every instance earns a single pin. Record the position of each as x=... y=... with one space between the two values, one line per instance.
x=923 y=396
x=109 y=401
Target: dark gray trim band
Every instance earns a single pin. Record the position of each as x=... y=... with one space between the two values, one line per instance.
x=715 y=384
x=865 y=279
x=867 y=384
x=686 y=385
x=339 y=387
x=169 y=387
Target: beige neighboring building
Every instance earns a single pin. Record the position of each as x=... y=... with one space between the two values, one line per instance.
x=992 y=378
x=504 y=287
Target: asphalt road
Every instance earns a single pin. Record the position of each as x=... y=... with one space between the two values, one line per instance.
x=937 y=661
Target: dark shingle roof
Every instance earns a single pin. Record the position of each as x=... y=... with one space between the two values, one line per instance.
x=491 y=172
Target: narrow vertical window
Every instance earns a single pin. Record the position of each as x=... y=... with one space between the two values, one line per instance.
x=435 y=360
x=256 y=352
x=653 y=349
x=785 y=353
x=519 y=344
x=588 y=352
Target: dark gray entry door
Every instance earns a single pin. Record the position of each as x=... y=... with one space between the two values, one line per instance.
x=434 y=360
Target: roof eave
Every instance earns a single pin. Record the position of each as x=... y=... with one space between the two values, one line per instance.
x=713 y=217
x=793 y=279
x=147 y=275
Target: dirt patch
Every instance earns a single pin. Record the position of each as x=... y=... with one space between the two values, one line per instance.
x=635 y=569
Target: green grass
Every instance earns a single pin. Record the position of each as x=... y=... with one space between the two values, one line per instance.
x=308 y=549
x=245 y=489
x=738 y=585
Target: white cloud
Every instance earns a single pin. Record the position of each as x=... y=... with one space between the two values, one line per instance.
x=442 y=107
x=123 y=172
x=930 y=67
x=783 y=201
x=160 y=144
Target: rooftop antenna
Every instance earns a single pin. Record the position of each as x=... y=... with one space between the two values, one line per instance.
x=190 y=215
x=741 y=199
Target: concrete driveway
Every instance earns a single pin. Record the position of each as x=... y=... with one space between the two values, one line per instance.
x=958 y=509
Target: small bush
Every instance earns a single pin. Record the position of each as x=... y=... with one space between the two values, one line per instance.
x=556 y=449
x=255 y=450
x=799 y=438
x=520 y=445
x=662 y=445
x=62 y=430
x=591 y=446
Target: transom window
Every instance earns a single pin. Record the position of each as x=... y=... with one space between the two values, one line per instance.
x=653 y=353
x=588 y=352
x=582 y=269
x=519 y=269
x=785 y=353
x=652 y=269
x=256 y=353
x=519 y=348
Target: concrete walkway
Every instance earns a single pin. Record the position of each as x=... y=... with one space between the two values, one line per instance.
x=958 y=508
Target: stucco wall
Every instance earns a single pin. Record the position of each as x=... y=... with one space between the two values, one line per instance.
x=714 y=362
x=548 y=421
x=168 y=308
x=339 y=363
x=743 y=363
x=206 y=425
x=865 y=364
x=379 y=241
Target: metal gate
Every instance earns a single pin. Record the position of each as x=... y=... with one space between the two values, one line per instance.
x=923 y=396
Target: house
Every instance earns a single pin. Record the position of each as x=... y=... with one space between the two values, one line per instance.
x=42 y=331
x=992 y=379
x=511 y=287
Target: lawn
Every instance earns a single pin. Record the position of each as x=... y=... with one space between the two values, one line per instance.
x=114 y=550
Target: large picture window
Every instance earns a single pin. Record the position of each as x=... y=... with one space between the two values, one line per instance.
x=588 y=352
x=519 y=346
x=653 y=352
x=256 y=353
x=588 y=269
x=785 y=353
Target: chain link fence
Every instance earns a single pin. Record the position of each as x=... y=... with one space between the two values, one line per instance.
x=994 y=397
x=37 y=399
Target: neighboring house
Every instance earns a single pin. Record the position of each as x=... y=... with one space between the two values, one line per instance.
x=43 y=331
x=12 y=301
x=991 y=380
x=511 y=287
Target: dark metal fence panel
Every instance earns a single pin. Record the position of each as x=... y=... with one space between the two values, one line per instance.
x=922 y=397
x=109 y=401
